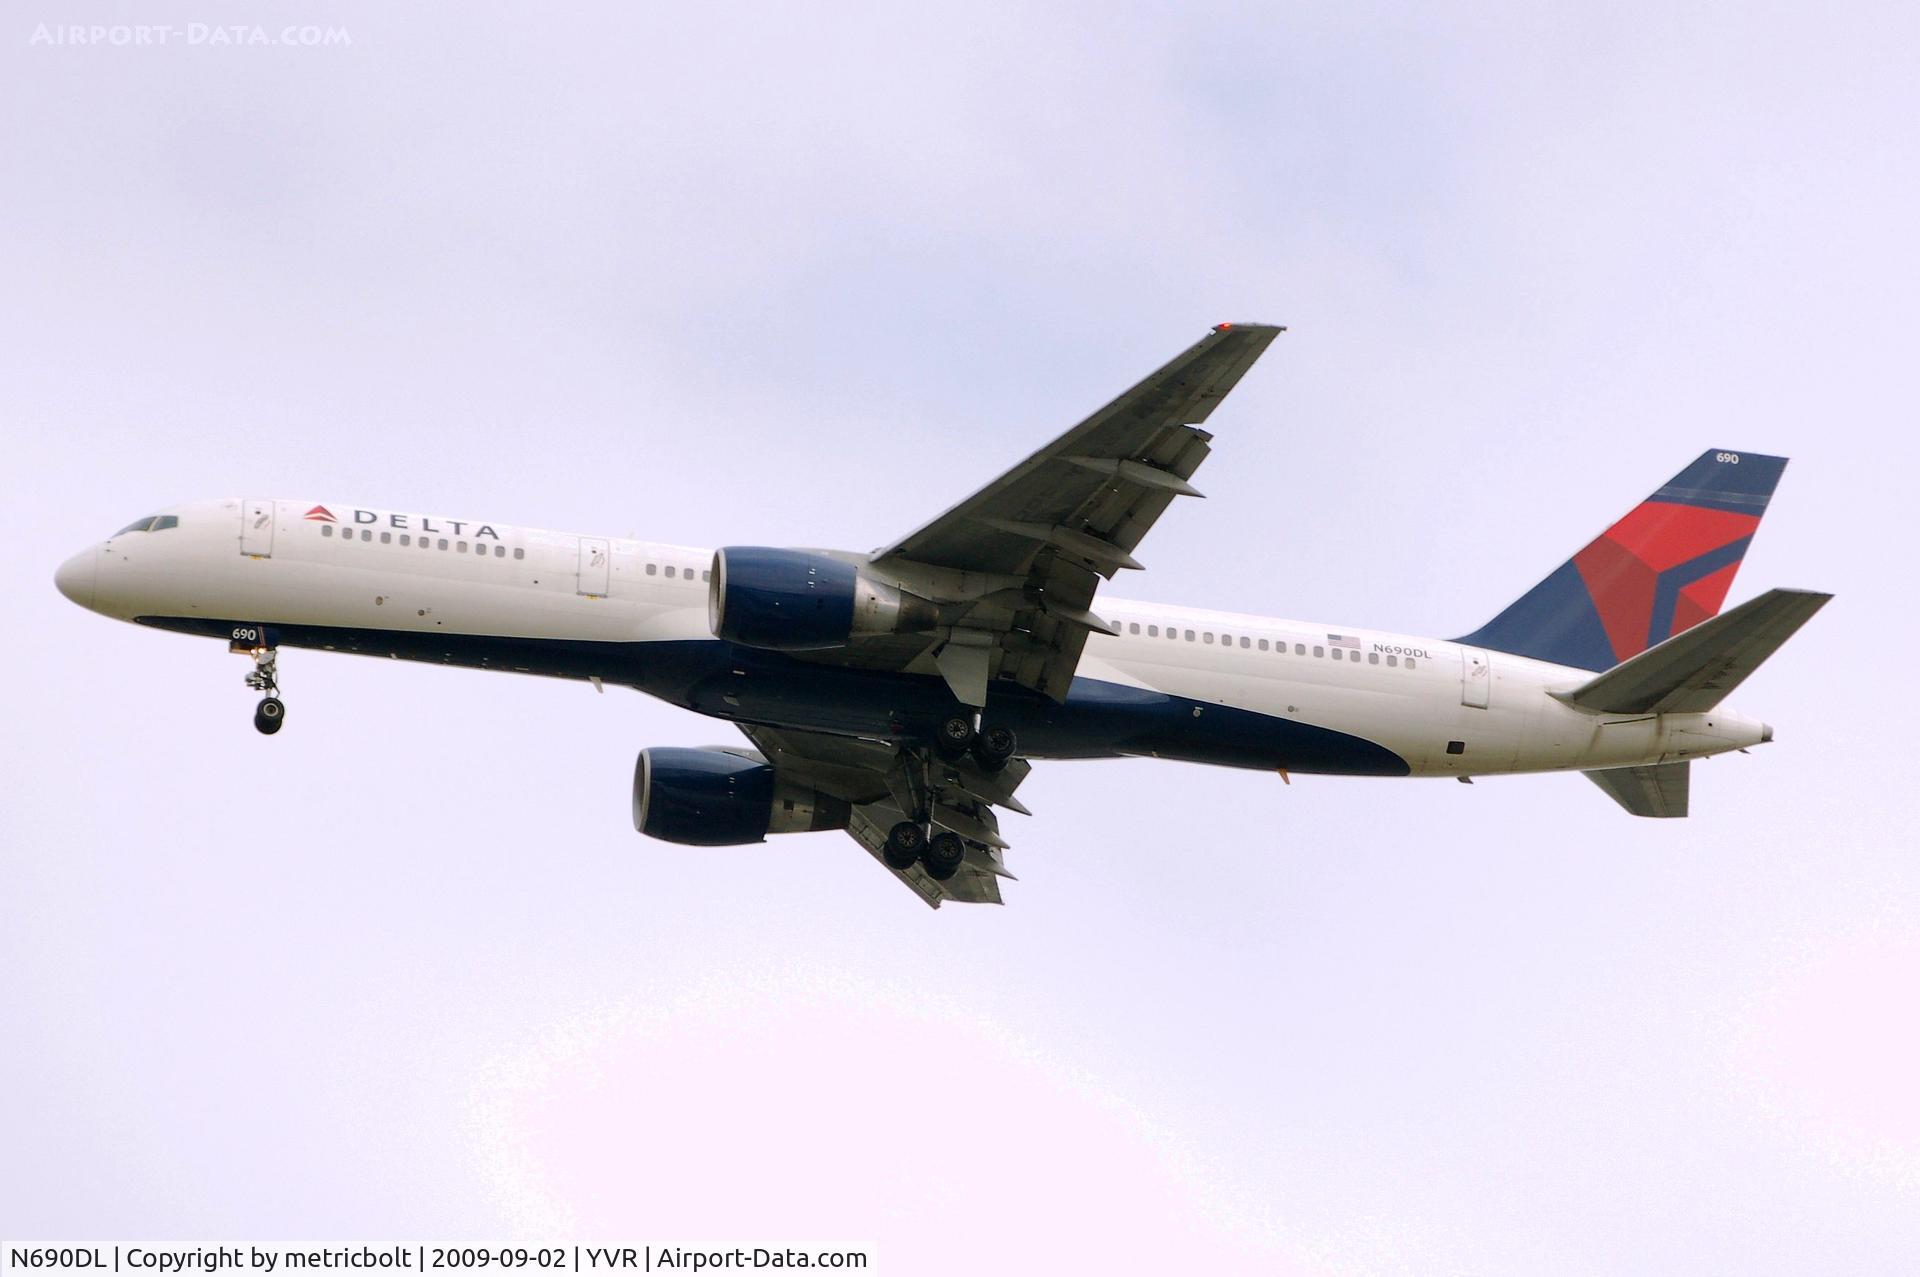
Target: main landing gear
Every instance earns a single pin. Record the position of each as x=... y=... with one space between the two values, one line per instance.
x=271 y=712
x=959 y=735
x=914 y=841
x=908 y=845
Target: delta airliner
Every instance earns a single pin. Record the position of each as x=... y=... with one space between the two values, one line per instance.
x=899 y=695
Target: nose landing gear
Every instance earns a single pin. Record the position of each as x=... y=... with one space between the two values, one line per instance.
x=270 y=714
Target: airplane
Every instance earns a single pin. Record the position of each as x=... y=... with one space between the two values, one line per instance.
x=902 y=695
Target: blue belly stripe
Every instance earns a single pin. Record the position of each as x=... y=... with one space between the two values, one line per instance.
x=1098 y=720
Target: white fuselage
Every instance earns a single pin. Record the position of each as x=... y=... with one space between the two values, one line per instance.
x=1446 y=709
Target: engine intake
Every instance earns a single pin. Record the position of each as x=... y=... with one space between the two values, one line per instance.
x=717 y=798
x=805 y=601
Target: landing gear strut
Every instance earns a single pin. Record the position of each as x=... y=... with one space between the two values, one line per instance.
x=271 y=713
x=934 y=777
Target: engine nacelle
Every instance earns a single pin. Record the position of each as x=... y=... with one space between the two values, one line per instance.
x=805 y=601
x=717 y=798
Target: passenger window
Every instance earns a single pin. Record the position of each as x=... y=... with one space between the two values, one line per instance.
x=1392 y=660
x=326 y=529
x=1189 y=636
x=653 y=569
x=1153 y=631
x=519 y=553
x=461 y=546
x=1244 y=642
x=669 y=571
x=706 y=574
x=499 y=551
x=1133 y=627
x=1319 y=651
x=1409 y=662
x=1208 y=636
x=443 y=543
x=406 y=538
x=386 y=538
x=1263 y=645
x=366 y=534
x=1373 y=658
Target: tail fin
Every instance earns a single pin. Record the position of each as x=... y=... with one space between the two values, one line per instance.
x=1663 y=568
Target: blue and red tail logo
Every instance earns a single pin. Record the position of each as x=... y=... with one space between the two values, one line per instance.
x=1665 y=567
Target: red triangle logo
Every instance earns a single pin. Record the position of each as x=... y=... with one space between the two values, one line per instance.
x=321 y=514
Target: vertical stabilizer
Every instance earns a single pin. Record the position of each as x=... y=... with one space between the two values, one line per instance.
x=1663 y=568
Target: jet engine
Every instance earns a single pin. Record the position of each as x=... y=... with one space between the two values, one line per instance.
x=719 y=798
x=805 y=601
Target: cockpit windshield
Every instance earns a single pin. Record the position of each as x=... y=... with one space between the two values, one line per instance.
x=152 y=523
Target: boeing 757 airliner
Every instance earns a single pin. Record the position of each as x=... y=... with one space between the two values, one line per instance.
x=900 y=695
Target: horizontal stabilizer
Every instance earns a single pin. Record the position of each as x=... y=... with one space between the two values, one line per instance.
x=1694 y=670
x=1660 y=790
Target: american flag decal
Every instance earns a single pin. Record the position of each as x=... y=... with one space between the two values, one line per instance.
x=1344 y=640
x=320 y=514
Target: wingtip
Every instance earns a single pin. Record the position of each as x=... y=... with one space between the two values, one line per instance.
x=1232 y=325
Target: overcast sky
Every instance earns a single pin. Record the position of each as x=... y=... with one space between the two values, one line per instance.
x=808 y=275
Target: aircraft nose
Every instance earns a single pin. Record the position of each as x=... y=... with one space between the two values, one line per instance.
x=75 y=578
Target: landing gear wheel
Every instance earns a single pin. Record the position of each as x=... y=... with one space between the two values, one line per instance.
x=905 y=842
x=994 y=748
x=953 y=737
x=269 y=715
x=945 y=853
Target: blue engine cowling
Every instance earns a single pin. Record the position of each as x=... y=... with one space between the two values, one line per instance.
x=805 y=601
x=786 y=600
x=717 y=798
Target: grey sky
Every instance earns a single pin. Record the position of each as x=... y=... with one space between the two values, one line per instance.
x=772 y=274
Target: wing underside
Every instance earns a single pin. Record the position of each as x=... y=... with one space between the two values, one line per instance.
x=1032 y=547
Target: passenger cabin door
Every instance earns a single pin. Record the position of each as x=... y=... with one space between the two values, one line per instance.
x=1476 y=678
x=594 y=567
x=256 y=528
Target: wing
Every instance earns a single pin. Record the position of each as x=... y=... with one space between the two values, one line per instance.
x=878 y=779
x=1046 y=532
